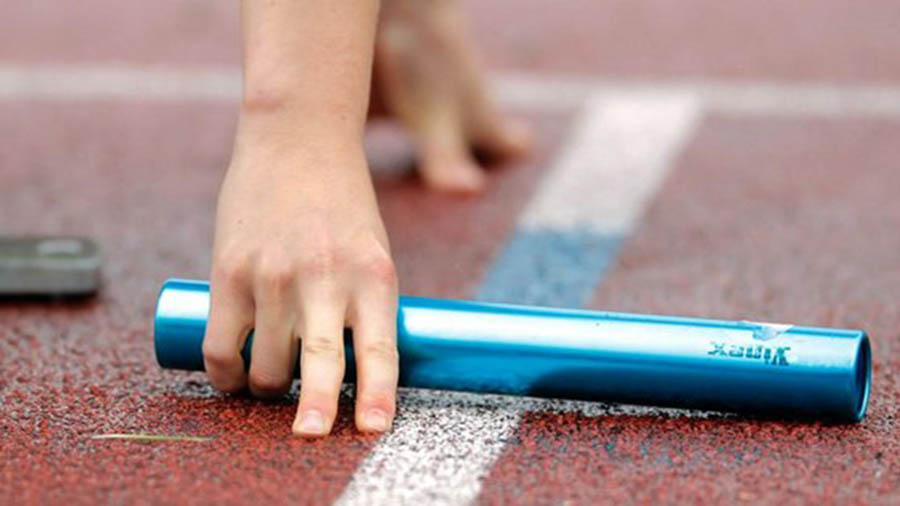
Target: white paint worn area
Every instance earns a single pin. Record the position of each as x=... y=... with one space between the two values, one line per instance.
x=443 y=445
x=617 y=156
x=440 y=448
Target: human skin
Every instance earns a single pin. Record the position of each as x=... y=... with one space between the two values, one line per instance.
x=428 y=76
x=300 y=251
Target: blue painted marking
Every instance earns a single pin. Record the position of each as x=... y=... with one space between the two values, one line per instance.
x=550 y=268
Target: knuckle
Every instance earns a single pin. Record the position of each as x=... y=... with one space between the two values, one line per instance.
x=231 y=267
x=380 y=268
x=217 y=355
x=322 y=263
x=267 y=383
x=383 y=351
x=275 y=275
x=321 y=347
x=227 y=385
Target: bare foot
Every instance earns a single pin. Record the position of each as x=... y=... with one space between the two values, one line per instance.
x=426 y=74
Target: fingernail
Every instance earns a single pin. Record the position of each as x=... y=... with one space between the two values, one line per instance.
x=376 y=419
x=311 y=423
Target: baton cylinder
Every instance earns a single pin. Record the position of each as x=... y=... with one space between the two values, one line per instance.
x=733 y=366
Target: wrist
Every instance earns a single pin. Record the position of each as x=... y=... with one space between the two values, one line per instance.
x=268 y=108
x=279 y=153
x=288 y=128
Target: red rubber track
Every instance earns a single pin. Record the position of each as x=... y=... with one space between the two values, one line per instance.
x=142 y=181
x=767 y=218
x=793 y=220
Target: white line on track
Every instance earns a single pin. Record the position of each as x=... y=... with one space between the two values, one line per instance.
x=223 y=84
x=755 y=97
x=119 y=82
x=441 y=446
x=444 y=445
x=615 y=159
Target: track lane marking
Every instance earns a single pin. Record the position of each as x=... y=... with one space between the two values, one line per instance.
x=119 y=82
x=532 y=92
x=443 y=444
x=623 y=143
x=553 y=92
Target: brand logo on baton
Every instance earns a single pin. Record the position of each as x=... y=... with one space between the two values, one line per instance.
x=772 y=355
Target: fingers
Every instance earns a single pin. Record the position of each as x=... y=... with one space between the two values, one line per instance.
x=374 y=320
x=230 y=320
x=321 y=358
x=447 y=164
x=421 y=94
x=499 y=139
x=274 y=346
x=282 y=301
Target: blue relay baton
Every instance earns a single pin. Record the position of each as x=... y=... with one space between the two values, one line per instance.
x=758 y=369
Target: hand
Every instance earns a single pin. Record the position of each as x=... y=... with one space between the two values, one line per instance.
x=428 y=75
x=300 y=252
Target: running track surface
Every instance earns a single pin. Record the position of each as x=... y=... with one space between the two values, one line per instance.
x=752 y=174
